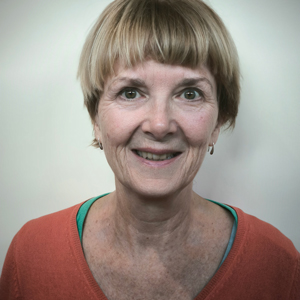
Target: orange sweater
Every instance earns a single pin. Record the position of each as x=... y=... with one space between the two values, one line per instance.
x=45 y=261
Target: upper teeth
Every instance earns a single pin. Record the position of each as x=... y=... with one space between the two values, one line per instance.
x=152 y=156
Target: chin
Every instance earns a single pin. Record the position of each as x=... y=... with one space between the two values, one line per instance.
x=157 y=189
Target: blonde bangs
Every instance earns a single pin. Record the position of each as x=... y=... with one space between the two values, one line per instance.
x=155 y=31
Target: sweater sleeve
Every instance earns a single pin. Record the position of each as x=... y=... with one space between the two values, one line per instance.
x=9 y=285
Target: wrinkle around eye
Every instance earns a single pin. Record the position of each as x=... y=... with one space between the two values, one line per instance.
x=126 y=92
x=198 y=94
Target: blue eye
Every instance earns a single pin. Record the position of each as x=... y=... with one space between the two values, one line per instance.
x=130 y=93
x=191 y=94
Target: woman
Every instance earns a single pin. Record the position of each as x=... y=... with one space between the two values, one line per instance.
x=160 y=78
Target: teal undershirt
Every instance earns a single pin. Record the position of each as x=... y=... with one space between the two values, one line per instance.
x=84 y=208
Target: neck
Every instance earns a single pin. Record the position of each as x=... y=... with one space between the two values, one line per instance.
x=152 y=222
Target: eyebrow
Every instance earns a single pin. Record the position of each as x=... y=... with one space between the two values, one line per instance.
x=141 y=83
x=193 y=81
x=130 y=81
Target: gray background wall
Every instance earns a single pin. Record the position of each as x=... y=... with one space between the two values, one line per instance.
x=45 y=162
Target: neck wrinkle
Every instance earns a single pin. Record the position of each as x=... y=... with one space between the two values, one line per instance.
x=154 y=223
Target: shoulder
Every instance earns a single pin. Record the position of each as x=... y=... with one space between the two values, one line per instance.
x=45 y=259
x=262 y=261
x=265 y=236
x=49 y=225
x=46 y=237
x=42 y=246
x=267 y=257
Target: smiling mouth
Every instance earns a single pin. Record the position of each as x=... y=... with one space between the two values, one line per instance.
x=155 y=157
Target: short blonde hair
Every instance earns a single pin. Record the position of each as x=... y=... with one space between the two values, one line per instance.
x=176 y=32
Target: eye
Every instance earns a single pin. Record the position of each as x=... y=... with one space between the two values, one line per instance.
x=191 y=94
x=130 y=93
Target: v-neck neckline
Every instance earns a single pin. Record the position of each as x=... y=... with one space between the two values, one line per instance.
x=97 y=292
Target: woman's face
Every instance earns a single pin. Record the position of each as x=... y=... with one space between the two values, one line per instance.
x=155 y=122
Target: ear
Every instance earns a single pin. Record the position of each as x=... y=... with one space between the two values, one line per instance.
x=215 y=134
x=97 y=131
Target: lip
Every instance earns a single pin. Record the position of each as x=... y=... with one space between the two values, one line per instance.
x=157 y=163
x=157 y=151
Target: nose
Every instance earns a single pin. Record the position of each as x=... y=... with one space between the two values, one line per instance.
x=159 y=120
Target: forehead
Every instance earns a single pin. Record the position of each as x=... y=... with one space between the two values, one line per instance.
x=151 y=72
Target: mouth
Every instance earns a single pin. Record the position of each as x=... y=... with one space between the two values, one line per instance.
x=156 y=157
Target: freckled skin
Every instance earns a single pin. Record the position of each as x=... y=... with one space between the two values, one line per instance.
x=175 y=264
x=158 y=119
x=154 y=238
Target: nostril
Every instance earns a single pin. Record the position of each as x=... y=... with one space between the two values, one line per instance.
x=159 y=127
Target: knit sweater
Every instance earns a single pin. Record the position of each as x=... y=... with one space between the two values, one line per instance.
x=45 y=261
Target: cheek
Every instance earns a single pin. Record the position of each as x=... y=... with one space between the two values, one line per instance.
x=198 y=128
x=116 y=126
